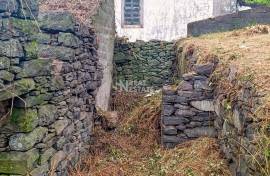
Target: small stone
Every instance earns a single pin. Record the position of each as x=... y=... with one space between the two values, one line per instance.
x=4 y=63
x=11 y=48
x=202 y=85
x=170 y=130
x=205 y=105
x=37 y=67
x=201 y=132
x=170 y=139
x=68 y=39
x=173 y=120
x=44 y=158
x=47 y=114
x=185 y=113
x=204 y=69
x=168 y=110
x=185 y=86
x=60 y=125
x=56 y=159
x=41 y=170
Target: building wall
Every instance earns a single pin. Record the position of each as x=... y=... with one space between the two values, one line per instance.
x=168 y=19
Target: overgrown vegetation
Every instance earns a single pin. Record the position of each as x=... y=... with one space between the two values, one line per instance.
x=247 y=52
x=263 y=2
x=133 y=148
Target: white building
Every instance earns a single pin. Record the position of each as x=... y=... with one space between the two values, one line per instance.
x=164 y=19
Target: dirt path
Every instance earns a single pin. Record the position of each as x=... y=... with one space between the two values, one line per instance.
x=132 y=149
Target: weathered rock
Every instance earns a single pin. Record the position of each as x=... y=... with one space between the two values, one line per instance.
x=174 y=120
x=37 y=67
x=170 y=139
x=56 y=52
x=41 y=170
x=60 y=125
x=56 y=159
x=68 y=39
x=57 y=21
x=28 y=9
x=47 y=114
x=25 y=120
x=185 y=86
x=204 y=69
x=168 y=110
x=8 y=6
x=44 y=158
x=184 y=113
x=11 y=48
x=204 y=105
x=7 y=76
x=4 y=63
x=200 y=132
x=17 y=88
x=170 y=130
x=18 y=163
x=31 y=101
x=24 y=142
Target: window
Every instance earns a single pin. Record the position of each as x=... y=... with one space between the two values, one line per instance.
x=132 y=13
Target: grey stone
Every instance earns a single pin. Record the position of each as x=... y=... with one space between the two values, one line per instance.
x=41 y=170
x=7 y=76
x=56 y=52
x=17 y=88
x=46 y=156
x=202 y=85
x=24 y=142
x=204 y=69
x=238 y=120
x=60 y=125
x=11 y=48
x=168 y=110
x=28 y=9
x=37 y=67
x=170 y=139
x=18 y=163
x=201 y=132
x=68 y=39
x=181 y=127
x=173 y=120
x=56 y=159
x=4 y=63
x=170 y=130
x=185 y=86
x=47 y=114
x=31 y=101
x=57 y=21
x=205 y=105
x=184 y=113
x=8 y=6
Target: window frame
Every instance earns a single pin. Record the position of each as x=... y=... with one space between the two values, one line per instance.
x=141 y=16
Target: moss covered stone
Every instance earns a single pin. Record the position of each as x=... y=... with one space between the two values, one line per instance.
x=18 y=162
x=37 y=67
x=4 y=62
x=31 y=50
x=25 y=26
x=26 y=141
x=25 y=119
x=17 y=88
x=5 y=75
x=31 y=101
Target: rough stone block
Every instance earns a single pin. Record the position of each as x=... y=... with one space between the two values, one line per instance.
x=28 y=9
x=57 y=21
x=4 y=63
x=6 y=76
x=201 y=132
x=173 y=120
x=168 y=110
x=184 y=113
x=25 y=141
x=170 y=130
x=69 y=40
x=8 y=6
x=11 y=48
x=56 y=52
x=205 y=105
x=37 y=67
x=47 y=114
x=204 y=69
x=18 y=163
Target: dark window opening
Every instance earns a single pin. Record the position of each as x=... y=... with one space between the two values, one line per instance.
x=132 y=13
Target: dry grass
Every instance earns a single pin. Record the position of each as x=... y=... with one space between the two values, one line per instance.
x=81 y=9
x=133 y=148
x=245 y=52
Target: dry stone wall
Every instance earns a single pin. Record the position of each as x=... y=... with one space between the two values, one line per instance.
x=199 y=108
x=143 y=66
x=49 y=75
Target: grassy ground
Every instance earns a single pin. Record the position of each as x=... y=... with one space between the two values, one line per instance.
x=246 y=54
x=263 y=2
x=133 y=148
